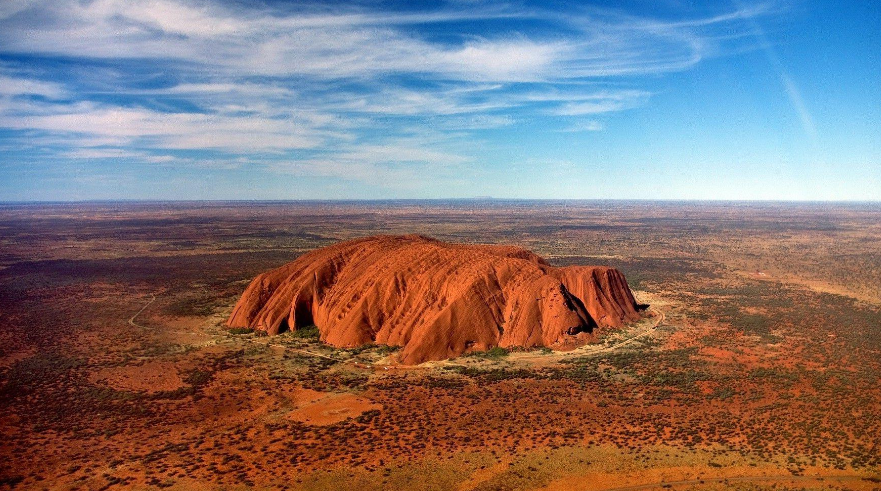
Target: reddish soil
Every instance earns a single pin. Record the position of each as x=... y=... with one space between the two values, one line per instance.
x=148 y=377
x=745 y=383
x=327 y=408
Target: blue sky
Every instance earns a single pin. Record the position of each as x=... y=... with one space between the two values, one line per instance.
x=177 y=99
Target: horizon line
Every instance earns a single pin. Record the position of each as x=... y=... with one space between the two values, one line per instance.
x=478 y=198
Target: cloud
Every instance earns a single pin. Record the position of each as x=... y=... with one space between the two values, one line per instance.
x=9 y=9
x=580 y=126
x=506 y=60
x=235 y=133
x=339 y=91
x=98 y=153
x=602 y=102
x=798 y=104
x=437 y=101
x=789 y=86
x=350 y=43
x=214 y=89
x=14 y=86
x=477 y=122
x=103 y=153
x=398 y=165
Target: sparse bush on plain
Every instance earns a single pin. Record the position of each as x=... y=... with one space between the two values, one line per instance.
x=307 y=332
x=492 y=353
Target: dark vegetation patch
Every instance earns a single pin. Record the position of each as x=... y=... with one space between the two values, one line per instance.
x=493 y=353
x=495 y=374
x=27 y=375
x=641 y=272
x=307 y=332
x=193 y=306
x=175 y=273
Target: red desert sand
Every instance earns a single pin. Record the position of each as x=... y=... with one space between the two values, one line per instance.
x=437 y=300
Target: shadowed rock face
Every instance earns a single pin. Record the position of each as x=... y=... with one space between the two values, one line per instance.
x=436 y=300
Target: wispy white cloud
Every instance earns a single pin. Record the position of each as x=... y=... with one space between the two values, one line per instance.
x=215 y=89
x=798 y=103
x=476 y=122
x=15 y=86
x=602 y=102
x=269 y=42
x=341 y=88
x=789 y=86
x=398 y=165
x=357 y=44
x=9 y=9
x=398 y=101
x=174 y=130
x=103 y=153
x=580 y=126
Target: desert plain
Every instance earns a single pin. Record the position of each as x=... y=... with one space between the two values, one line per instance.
x=756 y=367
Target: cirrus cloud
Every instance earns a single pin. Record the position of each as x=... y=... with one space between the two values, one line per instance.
x=326 y=87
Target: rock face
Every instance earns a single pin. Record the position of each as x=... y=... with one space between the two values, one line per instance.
x=436 y=300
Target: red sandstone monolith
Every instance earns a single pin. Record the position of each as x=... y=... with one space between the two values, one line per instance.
x=436 y=300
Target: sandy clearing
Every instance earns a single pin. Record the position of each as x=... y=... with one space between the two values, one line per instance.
x=150 y=377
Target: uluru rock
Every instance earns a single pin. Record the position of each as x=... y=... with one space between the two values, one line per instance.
x=437 y=300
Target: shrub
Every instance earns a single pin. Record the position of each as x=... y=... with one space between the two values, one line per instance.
x=307 y=332
x=198 y=378
x=495 y=353
x=385 y=349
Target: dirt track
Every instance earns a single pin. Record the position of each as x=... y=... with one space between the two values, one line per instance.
x=131 y=320
x=660 y=319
